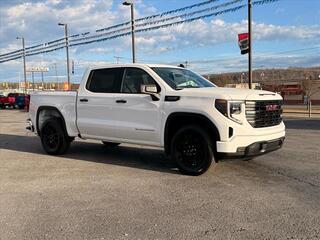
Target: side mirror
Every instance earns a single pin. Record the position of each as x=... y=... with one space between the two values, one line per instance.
x=151 y=90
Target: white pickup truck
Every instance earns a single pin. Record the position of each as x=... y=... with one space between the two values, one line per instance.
x=196 y=122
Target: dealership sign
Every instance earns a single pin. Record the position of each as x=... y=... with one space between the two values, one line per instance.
x=243 y=41
x=38 y=69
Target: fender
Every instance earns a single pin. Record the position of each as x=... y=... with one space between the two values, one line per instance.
x=53 y=109
x=189 y=118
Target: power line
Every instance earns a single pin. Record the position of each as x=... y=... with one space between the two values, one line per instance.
x=58 y=44
x=122 y=24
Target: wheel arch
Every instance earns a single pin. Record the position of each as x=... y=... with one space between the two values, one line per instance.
x=179 y=119
x=47 y=112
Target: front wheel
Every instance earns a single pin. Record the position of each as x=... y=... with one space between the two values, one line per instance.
x=54 y=139
x=192 y=150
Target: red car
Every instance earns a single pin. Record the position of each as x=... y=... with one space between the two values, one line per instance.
x=7 y=101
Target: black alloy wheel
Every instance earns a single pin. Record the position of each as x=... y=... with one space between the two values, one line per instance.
x=192 y=150
x=53 y=137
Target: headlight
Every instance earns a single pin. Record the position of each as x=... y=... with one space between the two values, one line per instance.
x=231 y=109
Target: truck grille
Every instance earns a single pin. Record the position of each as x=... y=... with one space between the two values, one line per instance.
x=264 y=113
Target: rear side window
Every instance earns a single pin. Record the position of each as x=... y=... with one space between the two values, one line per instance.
x=134 y=78
x=107 y=80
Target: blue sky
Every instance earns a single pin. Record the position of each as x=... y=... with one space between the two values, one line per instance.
x=286 y=34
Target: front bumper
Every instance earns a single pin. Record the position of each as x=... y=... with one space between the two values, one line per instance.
x=243 y=137
x=254 y=149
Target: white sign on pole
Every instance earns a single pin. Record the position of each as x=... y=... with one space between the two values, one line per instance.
x=37 y=69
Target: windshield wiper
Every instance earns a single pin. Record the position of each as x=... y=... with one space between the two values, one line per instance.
x=187 y=86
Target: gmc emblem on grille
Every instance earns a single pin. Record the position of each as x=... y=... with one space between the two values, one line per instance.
x=271 y=107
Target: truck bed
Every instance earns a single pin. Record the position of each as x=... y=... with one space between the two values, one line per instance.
x=64 y=101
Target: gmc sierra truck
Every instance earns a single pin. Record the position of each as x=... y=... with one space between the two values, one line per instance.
x=194 y=121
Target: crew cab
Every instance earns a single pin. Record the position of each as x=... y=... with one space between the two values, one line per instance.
x=194 y=121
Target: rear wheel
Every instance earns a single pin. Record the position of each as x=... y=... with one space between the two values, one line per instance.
x=192 y=150
x=54 y=139
x=110 y=144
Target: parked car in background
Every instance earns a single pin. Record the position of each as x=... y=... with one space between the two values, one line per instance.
x=15 y=100
x=7 y=101
x=3 y=99
x=27 y=101
x=21 y=100
x=12 y=99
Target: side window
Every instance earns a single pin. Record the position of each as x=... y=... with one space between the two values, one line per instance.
x=134 y=78
x=106 y=80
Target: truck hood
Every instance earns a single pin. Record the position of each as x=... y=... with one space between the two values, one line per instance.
x=229 y=93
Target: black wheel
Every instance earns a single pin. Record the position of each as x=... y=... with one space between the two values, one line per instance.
x=54 y=139
x=110 y=144
x=192 y=150
x=21 y=107
x=2 y=106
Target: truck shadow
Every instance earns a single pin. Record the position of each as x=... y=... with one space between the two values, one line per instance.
x=128 y=156
x=310 y=124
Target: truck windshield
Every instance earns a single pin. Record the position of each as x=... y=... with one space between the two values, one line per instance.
x=179 y=78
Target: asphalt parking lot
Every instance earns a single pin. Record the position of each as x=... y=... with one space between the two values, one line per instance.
x=131 y=192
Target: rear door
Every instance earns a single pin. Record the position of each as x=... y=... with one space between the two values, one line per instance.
x=96 y=102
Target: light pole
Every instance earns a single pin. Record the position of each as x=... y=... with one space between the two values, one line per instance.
x=67 y=50
x=250 y=44
x=131 y=4
x=24 y=64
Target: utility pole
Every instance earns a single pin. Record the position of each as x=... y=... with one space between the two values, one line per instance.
x=42 y=80
x=67 y=50
x=55 y=66
x=24 y=64
x=32 y=73
x=117 y=59
x=131 y=4
x=250 y=43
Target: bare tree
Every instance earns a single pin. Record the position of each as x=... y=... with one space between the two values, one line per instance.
x=309 y=89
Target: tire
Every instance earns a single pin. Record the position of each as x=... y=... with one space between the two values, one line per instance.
x=192 y=150
x=21 y=107
x=110 y=144
x=54 y=138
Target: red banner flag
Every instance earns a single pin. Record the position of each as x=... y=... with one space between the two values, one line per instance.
x=243 y=41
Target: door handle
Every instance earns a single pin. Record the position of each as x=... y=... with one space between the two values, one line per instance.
x=121 y=101
x=83 y=100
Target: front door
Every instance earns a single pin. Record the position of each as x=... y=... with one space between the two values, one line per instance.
x=137 y=116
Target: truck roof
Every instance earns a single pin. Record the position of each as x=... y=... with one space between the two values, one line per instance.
x=110 y=65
